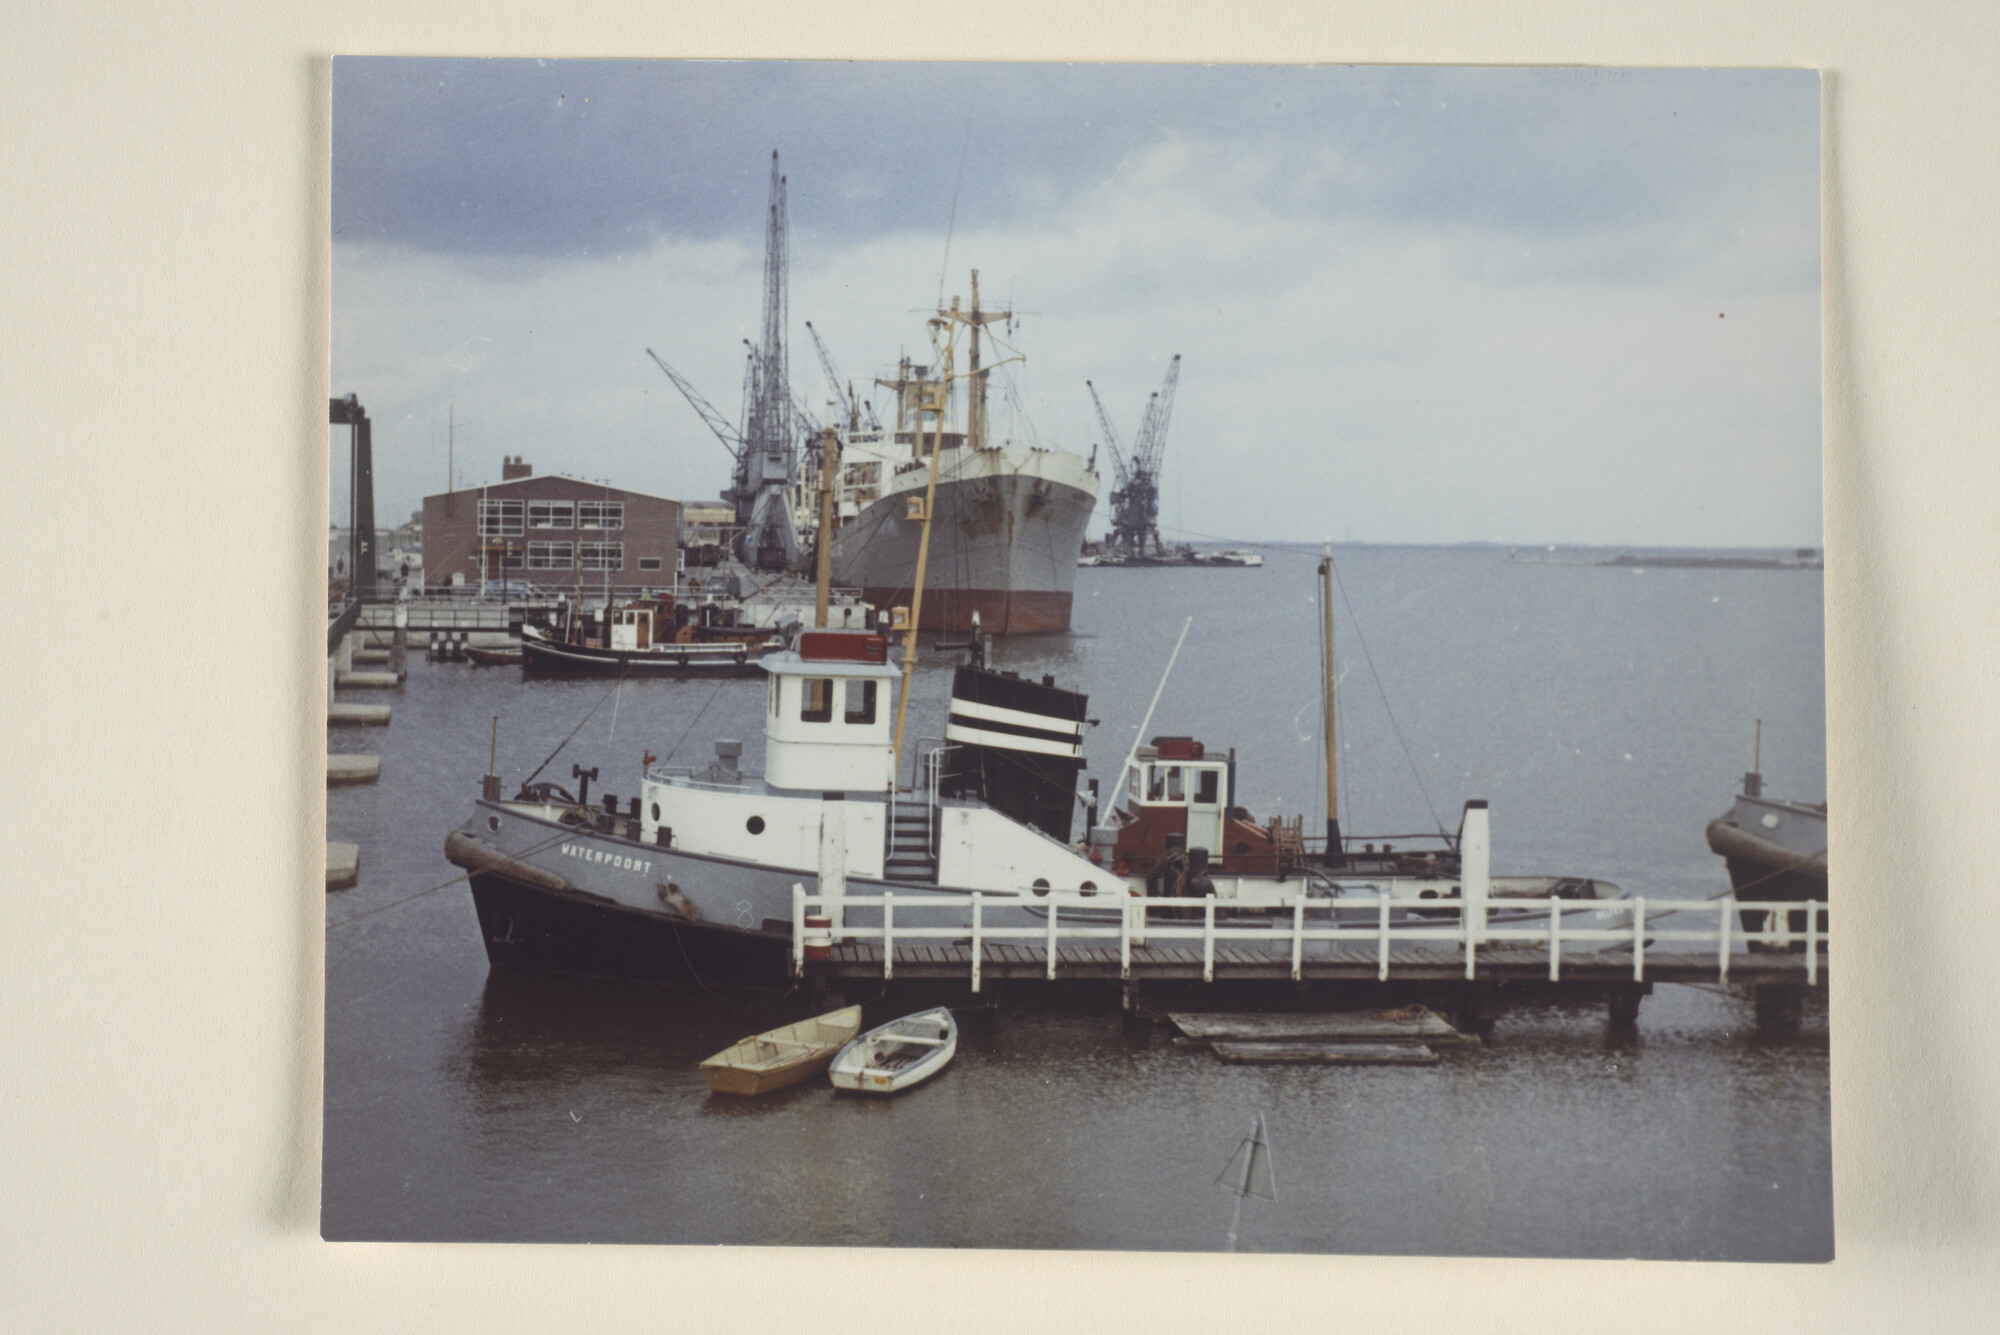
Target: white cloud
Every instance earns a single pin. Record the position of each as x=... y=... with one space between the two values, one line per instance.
x=1341 y=375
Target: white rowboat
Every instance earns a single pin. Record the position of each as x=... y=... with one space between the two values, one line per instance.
x=897 y=1055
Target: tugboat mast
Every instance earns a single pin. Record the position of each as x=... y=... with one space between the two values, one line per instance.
x=1336 y=854
x=829 y=470
x=931 y=397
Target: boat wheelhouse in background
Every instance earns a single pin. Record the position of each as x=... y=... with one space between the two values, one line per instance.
x=1774 y=849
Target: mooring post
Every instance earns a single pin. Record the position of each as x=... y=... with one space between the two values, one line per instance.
x=399 y=644
x=1779 y=1005
x=1623 y=999
x=1475 y=1002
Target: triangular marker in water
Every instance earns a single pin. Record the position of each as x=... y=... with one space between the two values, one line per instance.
x=1249 y=1173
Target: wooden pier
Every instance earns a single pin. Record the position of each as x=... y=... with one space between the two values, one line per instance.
x=1659 y=941
x=1354 y=965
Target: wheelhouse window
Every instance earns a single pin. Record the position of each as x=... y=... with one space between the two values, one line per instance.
x=551 y=556
x=860 y=702
x=1164 y=783
x=602 y=555
x=500 y=519
x=1208 y=786
x=816 y=700
x=600 y=514
x=551 y=514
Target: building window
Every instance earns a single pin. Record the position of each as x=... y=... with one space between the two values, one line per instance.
x=600 y=514
x=649 y=563
x=816 y=701
x=549 y=556
x=513 y=559
x=500 y=519
x=551 y=514
x=602 y=555
x=860 y=703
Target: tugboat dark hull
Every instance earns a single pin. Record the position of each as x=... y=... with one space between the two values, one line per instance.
x=1775 y=852
x=677 y=660
x=548 y=931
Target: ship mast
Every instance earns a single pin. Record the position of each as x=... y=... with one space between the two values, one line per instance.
x=976 y=411
x=931 y=397
x=1336 y=854
x=829 y=470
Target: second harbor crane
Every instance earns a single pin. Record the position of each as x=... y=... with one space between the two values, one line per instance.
x=1135 y=502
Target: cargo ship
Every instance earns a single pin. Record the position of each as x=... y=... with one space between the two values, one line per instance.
x=1008 y=519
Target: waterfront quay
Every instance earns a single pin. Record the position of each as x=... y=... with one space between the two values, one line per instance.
x=1182 y=943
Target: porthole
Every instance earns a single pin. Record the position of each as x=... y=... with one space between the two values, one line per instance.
x=755 y=825
x=1428 y=894
x=493 y=824
x=1041 y=886
x=1088 y=887
x=656 y=811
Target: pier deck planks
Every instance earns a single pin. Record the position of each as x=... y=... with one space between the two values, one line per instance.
x=858 y=959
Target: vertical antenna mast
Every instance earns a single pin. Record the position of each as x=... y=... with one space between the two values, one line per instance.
x=1336 y=853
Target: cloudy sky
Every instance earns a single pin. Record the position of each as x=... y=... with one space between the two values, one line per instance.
x=1413 y=305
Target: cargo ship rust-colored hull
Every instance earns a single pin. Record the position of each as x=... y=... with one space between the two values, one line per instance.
x=1007 y=530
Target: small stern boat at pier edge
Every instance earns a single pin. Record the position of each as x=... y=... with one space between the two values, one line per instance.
x=897 y=1055
x=1774 y=849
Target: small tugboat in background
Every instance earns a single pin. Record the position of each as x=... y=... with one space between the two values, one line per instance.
x=646 y=636
x=489 y=656
x=1775 y=850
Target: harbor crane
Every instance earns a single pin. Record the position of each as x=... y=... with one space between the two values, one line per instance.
x=731 y=439
x=765 y=445
x=840 y=393
x=1135 y=501
x=1110 y=435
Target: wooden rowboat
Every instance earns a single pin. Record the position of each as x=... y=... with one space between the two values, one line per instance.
x=781 y=1057
x=484 y=657
x=897 y=1055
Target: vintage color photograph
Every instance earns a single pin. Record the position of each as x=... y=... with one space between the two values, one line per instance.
x=1114 y=657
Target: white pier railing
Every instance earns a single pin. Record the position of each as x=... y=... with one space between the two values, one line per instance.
x=943 y=919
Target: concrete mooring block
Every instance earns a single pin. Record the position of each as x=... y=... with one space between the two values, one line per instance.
x=347 y=715
x=343 y=865
x=344 y=770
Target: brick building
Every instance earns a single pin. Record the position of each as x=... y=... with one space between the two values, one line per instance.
x=554 y=532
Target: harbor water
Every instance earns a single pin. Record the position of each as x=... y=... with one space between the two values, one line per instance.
x=1607 y=715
